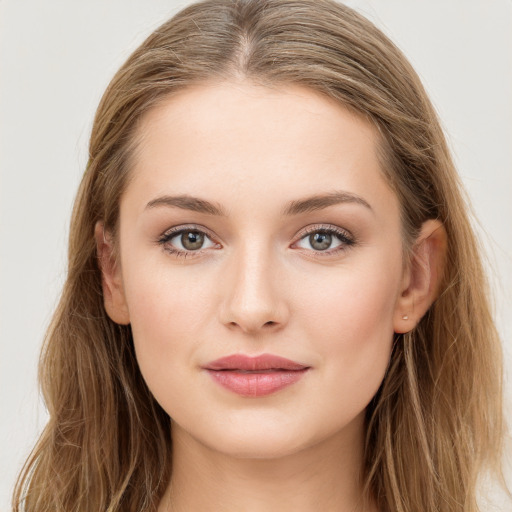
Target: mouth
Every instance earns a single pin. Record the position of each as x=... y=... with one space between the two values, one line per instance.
x=255 y=376
x=272 y=370
x=258 y=364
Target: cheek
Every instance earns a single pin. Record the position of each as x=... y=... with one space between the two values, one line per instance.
x=353 y=307
x=167 y=315
x=350 y=325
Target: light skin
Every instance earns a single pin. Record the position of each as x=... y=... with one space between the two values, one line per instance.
x=258 y=281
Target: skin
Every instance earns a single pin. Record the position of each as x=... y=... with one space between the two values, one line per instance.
x=258 y=285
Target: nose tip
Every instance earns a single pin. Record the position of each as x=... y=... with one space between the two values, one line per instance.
x=254 y=310
x=250 y=325
x=252 y=302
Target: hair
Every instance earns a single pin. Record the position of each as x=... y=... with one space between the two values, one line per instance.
x=435 y=425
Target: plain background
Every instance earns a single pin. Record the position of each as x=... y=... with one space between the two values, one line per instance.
x=56 y=58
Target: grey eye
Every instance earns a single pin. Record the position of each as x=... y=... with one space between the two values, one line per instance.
x=189 y=240
x=320 y=241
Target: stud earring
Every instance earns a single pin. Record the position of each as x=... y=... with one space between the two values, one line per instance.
x=405 y=317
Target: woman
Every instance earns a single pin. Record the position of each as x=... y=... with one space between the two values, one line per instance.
x=274 y=299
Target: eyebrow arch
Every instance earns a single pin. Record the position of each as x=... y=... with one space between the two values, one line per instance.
x=187 y=202
x=295 y=207
x=321 y=201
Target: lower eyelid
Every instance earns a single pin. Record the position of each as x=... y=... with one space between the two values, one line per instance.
x=165 y=240
x=342 y=246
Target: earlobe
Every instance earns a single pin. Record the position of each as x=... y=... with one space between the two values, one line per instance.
x=423 y=277
x=111 y=280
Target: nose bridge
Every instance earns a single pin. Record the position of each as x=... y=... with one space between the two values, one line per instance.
x=253 y=296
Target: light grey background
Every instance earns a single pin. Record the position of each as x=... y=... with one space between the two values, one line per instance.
x=56 y=58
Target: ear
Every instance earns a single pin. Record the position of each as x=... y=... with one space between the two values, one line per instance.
x=111 y=280
x=422 y=277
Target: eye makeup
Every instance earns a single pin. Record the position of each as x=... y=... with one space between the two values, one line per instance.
x=192 y=235
x=323 y=240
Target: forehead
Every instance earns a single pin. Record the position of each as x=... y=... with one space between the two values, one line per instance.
x=240 y=140
x=250 y=113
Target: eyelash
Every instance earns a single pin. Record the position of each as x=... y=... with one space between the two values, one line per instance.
x=343 y=236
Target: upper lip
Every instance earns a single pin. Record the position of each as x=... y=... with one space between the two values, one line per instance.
x=261 y=362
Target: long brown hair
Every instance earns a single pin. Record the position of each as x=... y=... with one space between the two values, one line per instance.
x=436 y=422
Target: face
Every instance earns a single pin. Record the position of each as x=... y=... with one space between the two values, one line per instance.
x=257 y=221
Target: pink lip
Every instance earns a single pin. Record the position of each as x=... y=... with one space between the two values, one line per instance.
x=255 y=376
x=262 y=362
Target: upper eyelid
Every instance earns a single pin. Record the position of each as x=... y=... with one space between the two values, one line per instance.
x=336 y=230
x=171 y=232
x=324 y=227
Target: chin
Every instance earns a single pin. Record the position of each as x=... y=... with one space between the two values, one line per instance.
x=259 y=447
x=256 y=438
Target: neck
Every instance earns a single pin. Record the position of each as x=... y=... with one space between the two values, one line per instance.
x=324 y=476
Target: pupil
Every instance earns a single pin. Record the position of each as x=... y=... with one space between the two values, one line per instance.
x=320 y=241
x=192 y=240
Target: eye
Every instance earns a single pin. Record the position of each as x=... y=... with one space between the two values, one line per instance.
x=184 y=241
x=191 y=241
x=326 y=239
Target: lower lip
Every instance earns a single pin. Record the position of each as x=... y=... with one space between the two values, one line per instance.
x=256 y=384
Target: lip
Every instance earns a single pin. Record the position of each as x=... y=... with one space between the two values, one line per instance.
x=248 y=363
x=255 y=376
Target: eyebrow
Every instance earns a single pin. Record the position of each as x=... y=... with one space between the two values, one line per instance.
x=295 y=207
x=187 y=202
x=321 y=201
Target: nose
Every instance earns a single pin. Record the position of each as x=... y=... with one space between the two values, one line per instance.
x=253 y=296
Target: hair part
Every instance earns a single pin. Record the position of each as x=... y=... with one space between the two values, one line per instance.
x=436 y=422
